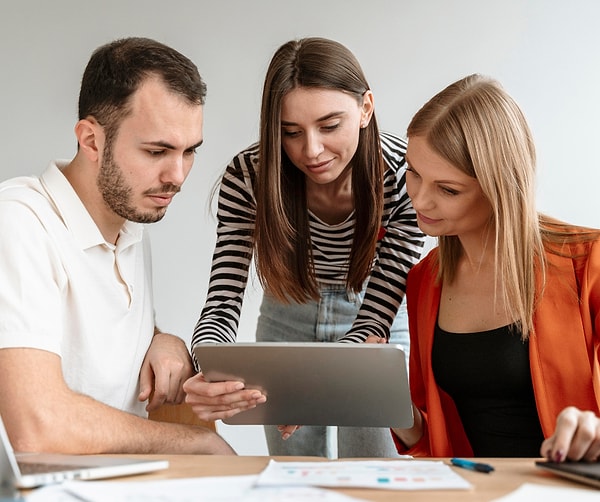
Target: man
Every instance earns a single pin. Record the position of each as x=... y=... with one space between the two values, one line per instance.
x=79 y=352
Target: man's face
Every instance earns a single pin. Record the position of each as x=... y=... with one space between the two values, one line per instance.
x=144 y=165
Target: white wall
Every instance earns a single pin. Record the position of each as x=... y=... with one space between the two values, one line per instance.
x=546 y=52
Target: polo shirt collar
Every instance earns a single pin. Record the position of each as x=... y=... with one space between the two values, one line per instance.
x=75 y=215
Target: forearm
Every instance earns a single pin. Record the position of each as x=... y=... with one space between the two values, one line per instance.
x=410 y=437
x=41 y=413
x=82 y=425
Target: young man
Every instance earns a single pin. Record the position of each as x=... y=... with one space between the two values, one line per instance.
x=79 y=351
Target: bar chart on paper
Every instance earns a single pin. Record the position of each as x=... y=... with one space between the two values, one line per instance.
x=390 y=475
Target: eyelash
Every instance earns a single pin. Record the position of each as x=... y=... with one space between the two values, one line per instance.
x=330 y=128
x=449 y=191
x=446 y=191
x=158 y=153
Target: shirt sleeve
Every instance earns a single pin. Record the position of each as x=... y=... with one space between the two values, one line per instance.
x=398 y=250
x=232 y=256
x=32 y=281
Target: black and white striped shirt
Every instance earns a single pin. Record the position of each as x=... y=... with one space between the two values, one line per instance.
x=397 y=251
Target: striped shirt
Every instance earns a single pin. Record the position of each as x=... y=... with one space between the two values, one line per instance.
x=397 y=251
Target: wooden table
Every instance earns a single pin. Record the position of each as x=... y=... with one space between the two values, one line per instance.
x=509 y=474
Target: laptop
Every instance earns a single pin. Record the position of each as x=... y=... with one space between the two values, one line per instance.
x=584 y=472
x=361 y=385
x=28 y=470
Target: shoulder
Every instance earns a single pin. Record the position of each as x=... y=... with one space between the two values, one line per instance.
x=22 y=187
x=246 y=159
x=244 y=165
x=426 y=266
x=392 y=142
x=23 y=199
x=586 y=255
x=578 y=254
x=393 y=149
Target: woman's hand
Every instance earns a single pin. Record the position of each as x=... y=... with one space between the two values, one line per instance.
x=219 y=400
x=576 y=437
x=287 y=430
x=410 y=437
x=375 y=339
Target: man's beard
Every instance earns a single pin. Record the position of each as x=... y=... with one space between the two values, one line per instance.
x=117 y=194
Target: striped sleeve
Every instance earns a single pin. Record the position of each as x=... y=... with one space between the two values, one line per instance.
x=398 y=250
x=232 y=256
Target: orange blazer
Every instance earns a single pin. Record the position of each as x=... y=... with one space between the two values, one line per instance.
x=564 y=351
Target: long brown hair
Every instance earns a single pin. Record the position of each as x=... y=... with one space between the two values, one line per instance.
x=282 y=245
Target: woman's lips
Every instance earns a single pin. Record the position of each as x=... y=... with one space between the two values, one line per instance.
x=318 y=167
x=425 y=219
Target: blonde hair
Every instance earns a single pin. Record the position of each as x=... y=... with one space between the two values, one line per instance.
x=479 y=128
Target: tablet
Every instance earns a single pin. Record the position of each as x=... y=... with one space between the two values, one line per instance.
x=362 y=385
x=584 y=472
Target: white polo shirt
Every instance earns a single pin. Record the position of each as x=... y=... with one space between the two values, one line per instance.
x=65 y=290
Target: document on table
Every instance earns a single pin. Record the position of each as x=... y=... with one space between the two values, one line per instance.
x=208 y=489
x=532 y=491
x=381 y=474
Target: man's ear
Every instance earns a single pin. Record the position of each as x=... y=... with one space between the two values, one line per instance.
x=90 y=137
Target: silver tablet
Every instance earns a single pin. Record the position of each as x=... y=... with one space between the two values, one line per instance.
x=362 y=385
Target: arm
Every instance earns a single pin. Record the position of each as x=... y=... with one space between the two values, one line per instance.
x=229 y=274
x=410 y=437
x=53 y=359
x=42 y=414
x=166 y=367
x=415 y=441
x=232 y=255
x=398 y=250
x=577 y=432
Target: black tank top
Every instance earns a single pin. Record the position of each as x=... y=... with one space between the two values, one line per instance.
x=487 y=374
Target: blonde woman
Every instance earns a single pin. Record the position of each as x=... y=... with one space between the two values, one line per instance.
x=504 y=313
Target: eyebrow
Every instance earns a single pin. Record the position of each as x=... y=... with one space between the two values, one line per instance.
x=169 y=146
x=444 y=182
x=320 y=119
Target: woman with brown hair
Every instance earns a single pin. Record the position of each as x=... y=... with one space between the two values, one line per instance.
x=320 y=204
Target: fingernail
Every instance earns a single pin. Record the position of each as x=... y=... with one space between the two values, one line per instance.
x=559 y=456
x=285 y=436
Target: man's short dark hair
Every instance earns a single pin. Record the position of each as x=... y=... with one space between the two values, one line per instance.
x=116 y=70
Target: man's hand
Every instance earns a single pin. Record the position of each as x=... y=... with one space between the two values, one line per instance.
x=166 y=367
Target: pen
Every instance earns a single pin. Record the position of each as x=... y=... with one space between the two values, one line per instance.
x=473 y=466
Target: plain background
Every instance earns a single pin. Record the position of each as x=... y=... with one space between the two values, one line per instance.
x=545 y=52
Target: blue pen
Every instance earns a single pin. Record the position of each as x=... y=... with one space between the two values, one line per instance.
x=472 y=466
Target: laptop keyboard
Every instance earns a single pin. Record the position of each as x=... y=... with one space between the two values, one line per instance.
x=40 y=468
